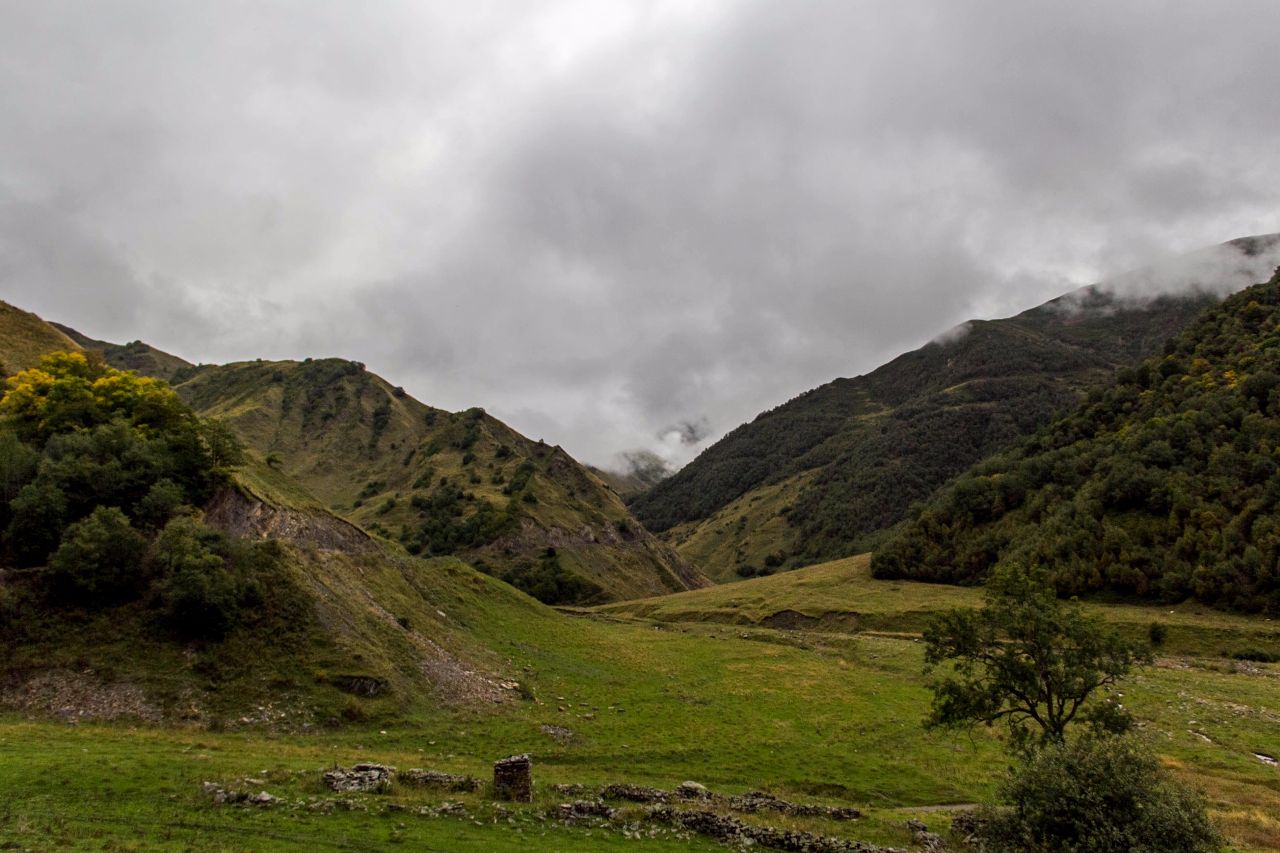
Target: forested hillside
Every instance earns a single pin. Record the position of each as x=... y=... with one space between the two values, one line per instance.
x=826 y=473
x=1164 y=485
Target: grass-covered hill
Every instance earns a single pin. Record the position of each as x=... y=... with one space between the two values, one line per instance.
x=1166 y=484
x=24 y=338
x=824 y=475
x=151 y=568
x=327 y=433
x=439 y=483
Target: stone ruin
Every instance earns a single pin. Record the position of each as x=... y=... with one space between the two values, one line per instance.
x=435 y=779
x=361 y=777
x=513 y=779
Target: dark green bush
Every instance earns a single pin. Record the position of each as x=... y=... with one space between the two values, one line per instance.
x=1256 y=655
x=197 y=596
x=1098 y=795
x=161 y=502
x=99 y=560
x=549 y=582
x=1157 y=633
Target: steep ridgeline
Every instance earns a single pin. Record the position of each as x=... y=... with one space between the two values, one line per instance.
x=824 y=475
x=462 y=484
x=24 y=338
x=1166 y=484
x=137 y=356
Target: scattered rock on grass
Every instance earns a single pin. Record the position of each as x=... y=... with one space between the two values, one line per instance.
x=559 y=734
x=930 y=842
x=584 y=809
x=222 y=795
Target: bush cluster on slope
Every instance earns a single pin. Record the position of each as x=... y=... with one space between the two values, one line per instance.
x=99 y=472
x=1165 y=485
x=1098 y=795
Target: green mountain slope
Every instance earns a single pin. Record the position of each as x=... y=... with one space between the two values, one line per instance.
x=1165 y=484
x=136 y=356
x=439 y=483
x=826 y=473
x=341 y=438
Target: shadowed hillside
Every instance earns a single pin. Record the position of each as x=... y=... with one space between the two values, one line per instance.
x=1164 y=484
x=823 y=475
x=136 y=356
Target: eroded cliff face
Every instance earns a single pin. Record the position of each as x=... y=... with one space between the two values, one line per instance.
x=241 y=515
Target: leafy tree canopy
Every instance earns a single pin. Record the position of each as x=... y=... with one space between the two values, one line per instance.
x=1026 y=659
x=77 y=436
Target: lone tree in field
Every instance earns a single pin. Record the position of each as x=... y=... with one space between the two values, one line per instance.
x=1027 y=659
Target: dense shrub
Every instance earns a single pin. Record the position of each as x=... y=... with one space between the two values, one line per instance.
x=76 y=435
x=549 y=582
x=197 y=595
x=1098 y=795
x=99 y=560
x=447 y=527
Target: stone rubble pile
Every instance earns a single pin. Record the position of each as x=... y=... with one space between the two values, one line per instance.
x=750 y=803
x=435 y=779
x=734 y=831
x=360 y=778
x=221 y=795
x=930 y=842
x=758 y=801
x=579 y=809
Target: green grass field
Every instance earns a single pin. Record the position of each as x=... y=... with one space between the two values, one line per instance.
x=817 y=715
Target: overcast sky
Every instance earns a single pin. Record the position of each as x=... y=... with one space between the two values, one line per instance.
x=605 y=220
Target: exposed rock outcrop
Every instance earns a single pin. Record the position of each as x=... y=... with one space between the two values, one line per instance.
x=241 y=515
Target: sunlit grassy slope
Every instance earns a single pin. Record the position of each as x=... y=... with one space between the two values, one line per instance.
x=328 y=432
x=842 y=596
x=24 y=338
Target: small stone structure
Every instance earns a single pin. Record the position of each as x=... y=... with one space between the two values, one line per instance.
x=513 y=779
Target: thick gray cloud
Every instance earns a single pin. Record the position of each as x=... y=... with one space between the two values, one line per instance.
x=606 y=221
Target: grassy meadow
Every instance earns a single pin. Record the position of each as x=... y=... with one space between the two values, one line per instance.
x=691 y=686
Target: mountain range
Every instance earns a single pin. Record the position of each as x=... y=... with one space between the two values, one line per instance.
x=825 y=475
